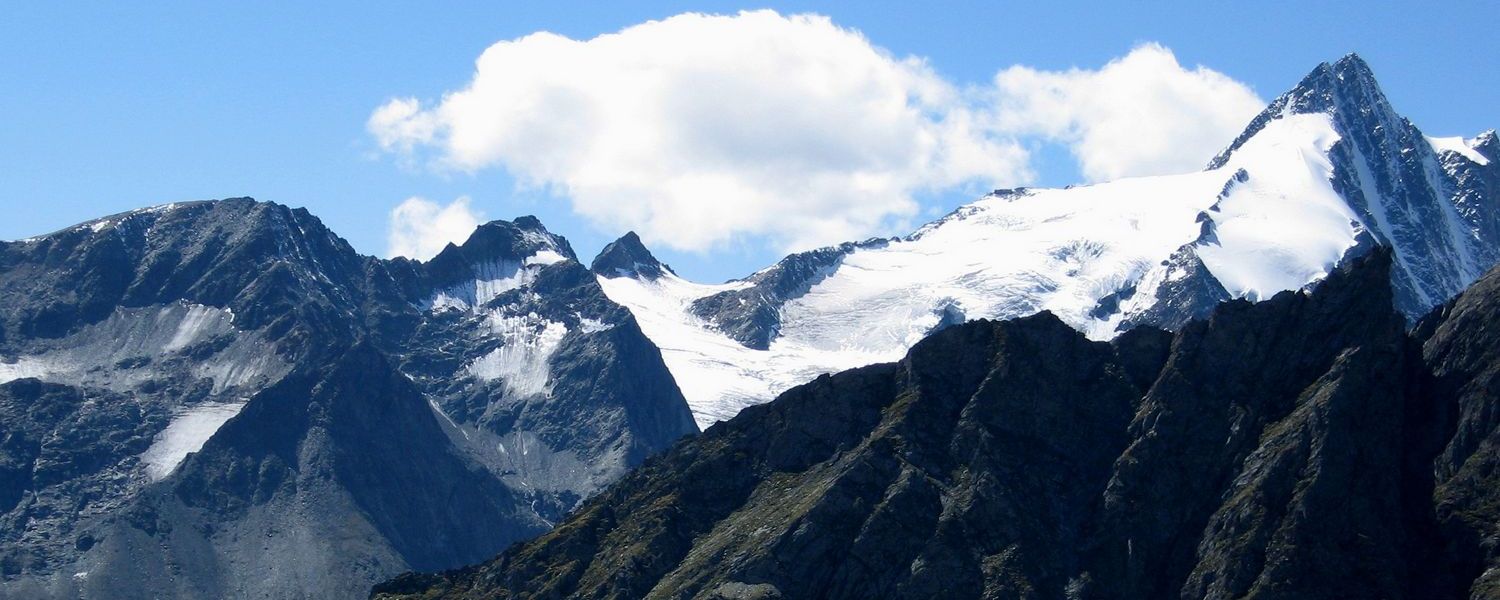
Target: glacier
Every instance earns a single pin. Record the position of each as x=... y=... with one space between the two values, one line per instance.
x=1325 y=172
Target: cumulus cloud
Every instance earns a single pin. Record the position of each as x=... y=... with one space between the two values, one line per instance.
x=420 y=228
x=699 y=129
x=1141 y=114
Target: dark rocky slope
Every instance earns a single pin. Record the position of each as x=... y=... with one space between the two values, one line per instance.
x=382 y=415
x=1302 y=447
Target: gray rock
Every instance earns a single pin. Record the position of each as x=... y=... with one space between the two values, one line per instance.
x=369 y=403
x=1306 y=446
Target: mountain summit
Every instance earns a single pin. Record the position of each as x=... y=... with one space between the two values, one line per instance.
x=628 y=257
x=223 y=400
x=1406 y=190
x=1325 y=174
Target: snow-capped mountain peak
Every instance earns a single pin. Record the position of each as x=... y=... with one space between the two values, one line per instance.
x=1487 y=145
x=628 y=257
x=1346 y=89
x=154 y=354
x=1326 y=172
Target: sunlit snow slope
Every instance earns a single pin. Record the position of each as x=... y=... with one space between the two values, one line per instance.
x=1326 y=172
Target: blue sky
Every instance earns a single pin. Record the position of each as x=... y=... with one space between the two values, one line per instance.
x=109 y=107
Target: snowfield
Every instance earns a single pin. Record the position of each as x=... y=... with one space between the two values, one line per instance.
x=1267 y=220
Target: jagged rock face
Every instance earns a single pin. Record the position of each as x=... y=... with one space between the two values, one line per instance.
x=1458 y=342
x=1326 y=173
x=1256 y=429
x=1301 y=447
x=222 y=399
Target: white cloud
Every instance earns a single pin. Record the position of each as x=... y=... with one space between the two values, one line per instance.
x=420 y=228
x=400 y=124
x=1142 y=114
x=698 y=129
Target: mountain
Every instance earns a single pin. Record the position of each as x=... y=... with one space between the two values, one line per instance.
x=223 y=400
x=1328 y=171
x=628 y=257
x=1305 y=446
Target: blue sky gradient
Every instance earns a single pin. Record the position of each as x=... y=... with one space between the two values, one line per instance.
x=112 y=106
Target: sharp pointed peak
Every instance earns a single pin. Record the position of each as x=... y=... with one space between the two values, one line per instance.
x=1331 y=86
x=1345 y=89
x=628 y=257
x=1351 y=62
x=1349 y=73
x=1486 y=145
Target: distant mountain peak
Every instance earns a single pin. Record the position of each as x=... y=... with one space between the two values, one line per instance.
x=1352 y=63
x=520 y=240
x=1346 y=89
x=1486 y=144
x=1323 y=175
x=1346 y=83
x=528 y=222
x=628 y=257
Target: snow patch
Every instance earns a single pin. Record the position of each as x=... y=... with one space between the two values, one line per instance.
x=196 y=325
x=1003 y=257
x=158 y=209
x=134 y=345
x=24 y=367
x=187 y=432
x=520 y=363
x=588 y=325
x=491 y=280
x=1459 y=145
x=545 y=257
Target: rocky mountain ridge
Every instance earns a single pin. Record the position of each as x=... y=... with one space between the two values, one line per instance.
x=1306 y=446
x=223 y=399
